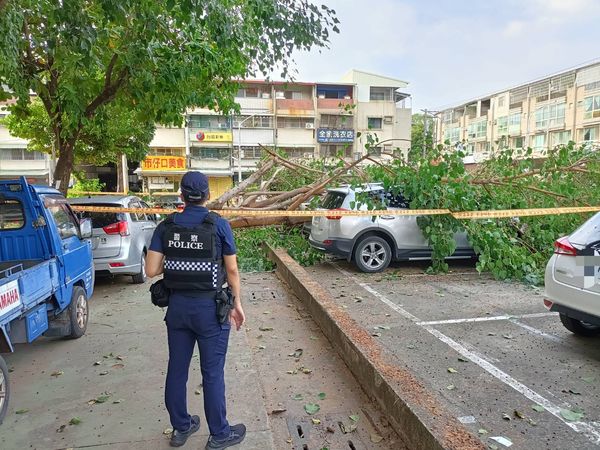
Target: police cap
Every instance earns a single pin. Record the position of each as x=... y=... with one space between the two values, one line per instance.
x=194 y=186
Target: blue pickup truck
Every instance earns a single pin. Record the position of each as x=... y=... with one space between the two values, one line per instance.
x=46 y=269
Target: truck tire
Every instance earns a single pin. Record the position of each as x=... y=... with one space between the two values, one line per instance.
x=140 y=277
x=4 y=389
x=579 y=327
x=372 y=254
x=78 y=313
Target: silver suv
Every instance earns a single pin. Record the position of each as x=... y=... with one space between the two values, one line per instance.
x=119 y=240
x=373 y=244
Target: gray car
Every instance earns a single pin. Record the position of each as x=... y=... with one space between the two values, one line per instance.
x=572 y=281
x=373 y=244
x=119 y=240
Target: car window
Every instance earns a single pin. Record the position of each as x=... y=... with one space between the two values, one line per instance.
x=396 y=200
x=101 y=219
x=12 y=216
x=65 y=220
x=137 y=217
x=587 y=233
x=333 y=200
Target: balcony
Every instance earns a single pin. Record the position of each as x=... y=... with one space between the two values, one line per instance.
x=255 y=105
x=333 y=103
x=292 y=107
x=296 y=137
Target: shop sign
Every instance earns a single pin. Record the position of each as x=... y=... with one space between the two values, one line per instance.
x=163 y=163
x=326 y=135
x=214 y=136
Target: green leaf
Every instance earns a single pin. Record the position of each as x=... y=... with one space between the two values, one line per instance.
x=322 y=395
x=538 y=408
x=452 y=370
x=21 y=411
x=571 y=416
x=312 y=408
x=354 y=417
x=75 y=421
x=298 y=397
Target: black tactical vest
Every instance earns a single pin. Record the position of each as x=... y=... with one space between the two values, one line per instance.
x=191 y=264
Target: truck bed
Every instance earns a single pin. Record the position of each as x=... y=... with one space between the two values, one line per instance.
x=17 y=266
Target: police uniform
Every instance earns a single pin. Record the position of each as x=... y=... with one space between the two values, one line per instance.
x=194 y=243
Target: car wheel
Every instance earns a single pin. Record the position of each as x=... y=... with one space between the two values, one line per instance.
x=78 y=313
x=579 y=327
x=140 y=277
x=372 y=254
x=4 y=389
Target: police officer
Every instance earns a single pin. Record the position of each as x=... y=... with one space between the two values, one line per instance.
x=195 y=250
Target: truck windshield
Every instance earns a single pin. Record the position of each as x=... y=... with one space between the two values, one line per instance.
x=12 y=216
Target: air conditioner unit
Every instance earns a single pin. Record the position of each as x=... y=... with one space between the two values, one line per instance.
x=223 y=125
x=279 y=95
x=310 y=125
x=266 y=95
x=388 y=119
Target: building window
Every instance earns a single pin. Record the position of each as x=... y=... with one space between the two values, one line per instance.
x=503 y=125
x=209 y=122
x=590 y=134
x=336 y=121
x=294 y=152
x=539 y=142
x=501 y=102
x=329 y=150
x=210 y=153
x=517 y=142
x=452 y=135
x=514 y=123
x=478 y=129
x=251 y=152
x=253 y=122
x=292 y=95
x=550 y=115
x=560 y=138
x=295 y=122
x=374 y=123
x=591 y=107
x=592 y=86
x=248 y=92
x=20 y=154
x=374 y=151
x=159 y=151
x=448 y=116
x=381 y=94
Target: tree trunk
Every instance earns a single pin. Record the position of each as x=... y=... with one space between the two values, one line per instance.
x=64 y=168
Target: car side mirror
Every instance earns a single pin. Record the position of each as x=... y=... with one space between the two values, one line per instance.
x=157 y=217
x=85 y=228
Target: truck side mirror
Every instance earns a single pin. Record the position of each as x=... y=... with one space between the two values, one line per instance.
x=85 y=228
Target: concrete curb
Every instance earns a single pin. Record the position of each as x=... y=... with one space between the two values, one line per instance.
x=413 y=411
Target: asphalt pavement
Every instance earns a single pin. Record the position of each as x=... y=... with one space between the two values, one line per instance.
x=106 y=389
x=500 y=361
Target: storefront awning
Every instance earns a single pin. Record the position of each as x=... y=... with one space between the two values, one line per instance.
x=24 y=172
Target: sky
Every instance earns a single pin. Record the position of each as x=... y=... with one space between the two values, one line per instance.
x=451 y=51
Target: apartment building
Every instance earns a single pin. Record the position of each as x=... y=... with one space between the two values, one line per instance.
x=306 y=120
x=540 y=114
x=16 y=161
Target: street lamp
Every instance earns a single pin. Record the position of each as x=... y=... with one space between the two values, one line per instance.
x=239 y=161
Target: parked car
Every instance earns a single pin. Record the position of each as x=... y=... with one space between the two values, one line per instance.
x=119 y=240
x=169 y=202
x=46 y=270
x=373 y=244
x=572 y=279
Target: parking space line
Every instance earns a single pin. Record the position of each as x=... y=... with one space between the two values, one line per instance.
x=534 y=330
x=488 y=319
x=591 y=430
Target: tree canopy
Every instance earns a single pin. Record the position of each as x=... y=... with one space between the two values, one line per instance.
x=154 y=58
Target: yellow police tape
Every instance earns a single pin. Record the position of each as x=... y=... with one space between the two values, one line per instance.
x=463 y=215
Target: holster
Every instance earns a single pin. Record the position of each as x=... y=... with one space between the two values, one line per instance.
x=224 y=301
x=159 y=294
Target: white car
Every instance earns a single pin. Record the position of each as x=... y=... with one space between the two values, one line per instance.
x=373 y=243
x=572 y=280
